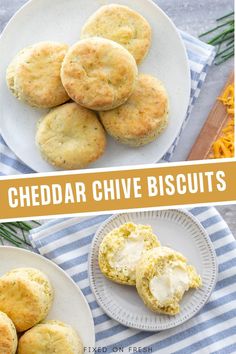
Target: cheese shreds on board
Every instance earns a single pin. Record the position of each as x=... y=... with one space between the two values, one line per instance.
x=223 y=147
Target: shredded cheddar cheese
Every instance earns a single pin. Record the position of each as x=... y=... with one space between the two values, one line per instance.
x=223 y=147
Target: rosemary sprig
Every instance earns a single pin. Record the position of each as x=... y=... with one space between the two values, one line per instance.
x=222 y=38
x=16 y=233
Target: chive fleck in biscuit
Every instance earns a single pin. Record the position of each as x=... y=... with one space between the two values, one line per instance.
x=122 y=25
x=71 y=137
x=51 y=337
x=121 y=249
x=33 y=76
x=8 y=336
x=26 y=296
x=143 y=117
x=98 y=73
x=162 y=278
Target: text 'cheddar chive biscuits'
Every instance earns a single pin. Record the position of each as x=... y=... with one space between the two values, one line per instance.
x=99 y=74
x=34 y=75
x=8 y=335
x=50 y=337
x=71 y=137
x=143 y=117
x=122 y=25
x=163 y=276
x=25 y=296
x=122 y=248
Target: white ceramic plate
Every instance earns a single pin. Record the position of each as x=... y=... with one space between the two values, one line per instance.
x=62 y=20
x=177 y=229
x=69 y=304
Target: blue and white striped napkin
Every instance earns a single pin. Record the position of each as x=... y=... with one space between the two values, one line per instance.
x=212 y=330
x=200 y=56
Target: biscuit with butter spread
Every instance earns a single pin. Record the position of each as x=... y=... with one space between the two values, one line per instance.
x=99 y=74
x=122 y=25
x=162 y=278
x=122 y=248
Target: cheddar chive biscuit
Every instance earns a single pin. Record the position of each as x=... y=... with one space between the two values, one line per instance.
x=33 y=76
x=122 y=25
x=99 y=74
x=26 y=296
x=71 y=137
x=162 y=277
x=51 y=337
x=8 y=335
x=121 y=249
x=143 y=117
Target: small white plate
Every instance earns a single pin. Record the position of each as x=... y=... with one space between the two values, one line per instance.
x=177 y=229
x=69 y=305
x=62 y=20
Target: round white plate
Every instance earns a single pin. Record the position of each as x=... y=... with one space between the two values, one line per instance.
x=69 y=305
x=62 y=20
x=177 y=229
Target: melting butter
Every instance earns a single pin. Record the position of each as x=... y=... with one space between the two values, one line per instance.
x=174 y=279
x=129 y=255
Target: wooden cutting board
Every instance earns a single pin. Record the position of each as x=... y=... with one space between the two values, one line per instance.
x=212 y=128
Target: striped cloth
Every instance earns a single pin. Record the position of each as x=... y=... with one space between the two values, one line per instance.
x=212 y=330
x=200 y=56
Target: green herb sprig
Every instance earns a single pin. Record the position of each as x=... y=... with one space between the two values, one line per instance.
x=222 y=38
x=16 y=233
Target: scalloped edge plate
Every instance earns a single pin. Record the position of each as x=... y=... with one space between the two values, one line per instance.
x=177 y=229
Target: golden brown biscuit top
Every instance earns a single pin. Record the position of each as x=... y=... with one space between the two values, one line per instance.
x=25 y=296
x=122 y=25
x=37 y=74
x=8 y=339
x=71 y=136
x=50 y=337
x=98 y=73
x=142 y=113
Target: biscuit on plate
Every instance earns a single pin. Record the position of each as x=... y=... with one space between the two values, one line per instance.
x=26 y=296
x=143 y=117
x=33 y=76
x=11 y=70
x=122 y=25
x=8 y=335
x=51 y=337
x=98 y=73
x=163 y=276
x=121 y=249
x=71 y=137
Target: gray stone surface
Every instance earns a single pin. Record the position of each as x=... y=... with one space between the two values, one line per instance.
x=195 y=17
x=228 y=212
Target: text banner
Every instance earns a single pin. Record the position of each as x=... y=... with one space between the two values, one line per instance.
x=104 y=191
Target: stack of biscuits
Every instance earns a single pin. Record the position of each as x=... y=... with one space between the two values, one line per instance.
x=92 y=87
x=26 y=297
